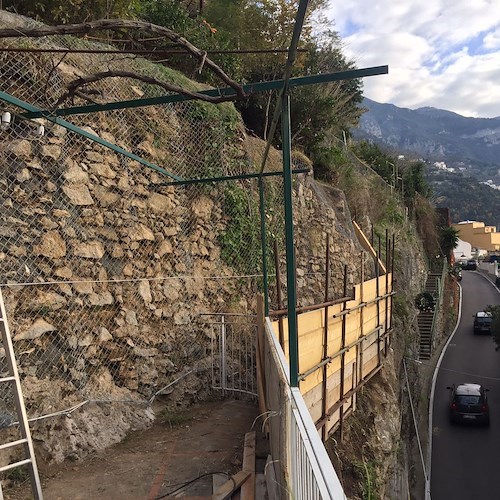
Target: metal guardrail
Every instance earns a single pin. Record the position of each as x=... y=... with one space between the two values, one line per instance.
x=439 y=303
x=310 y=473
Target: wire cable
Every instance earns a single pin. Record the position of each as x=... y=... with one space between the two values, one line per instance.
x=415 y=422
x=191 y=481
x=475 y=375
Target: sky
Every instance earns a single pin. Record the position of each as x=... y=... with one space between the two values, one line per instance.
x=440 y=53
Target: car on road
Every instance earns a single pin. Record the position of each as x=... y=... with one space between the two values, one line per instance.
x=482 y=322
x=469 y=403
x=470 y=265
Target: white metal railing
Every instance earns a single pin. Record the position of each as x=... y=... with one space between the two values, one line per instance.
x=304 y=460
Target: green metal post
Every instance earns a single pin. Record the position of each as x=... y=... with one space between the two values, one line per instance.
x=293 y=341
x=263 y=243
x=227 y=91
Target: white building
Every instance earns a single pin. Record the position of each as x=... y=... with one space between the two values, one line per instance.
x=463 y=251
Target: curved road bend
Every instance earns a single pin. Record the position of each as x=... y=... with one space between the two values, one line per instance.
x=466 y=459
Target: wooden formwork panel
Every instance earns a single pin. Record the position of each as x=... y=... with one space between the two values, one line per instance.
x=361 y=330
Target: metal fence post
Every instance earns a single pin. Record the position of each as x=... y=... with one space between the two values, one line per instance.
x=293 y=342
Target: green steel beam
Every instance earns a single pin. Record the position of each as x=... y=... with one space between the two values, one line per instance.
x=231 y=177
x=249 y=88
x=293 y=338
x=292 y=54
x=32 y=109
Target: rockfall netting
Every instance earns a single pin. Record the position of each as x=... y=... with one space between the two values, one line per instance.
x=116 y=283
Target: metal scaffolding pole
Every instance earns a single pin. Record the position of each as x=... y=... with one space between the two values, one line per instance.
x=293 y=343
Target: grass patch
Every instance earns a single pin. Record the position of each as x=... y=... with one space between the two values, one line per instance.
x=174 y=418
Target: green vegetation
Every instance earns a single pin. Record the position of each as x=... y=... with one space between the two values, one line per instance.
x=465 y=197
x=18 y=475
x=73 y=11
x=173 y=419
x=495 y=325
x=318 y=111
x=448 y=240
x=367 y=471
x=240 y=242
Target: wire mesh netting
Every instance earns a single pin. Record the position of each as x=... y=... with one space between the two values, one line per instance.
x=105 y=269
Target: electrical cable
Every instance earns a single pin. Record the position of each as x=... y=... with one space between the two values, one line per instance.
x=454 y=371
x=258 y=416
x=415 y=422
x=191 y=481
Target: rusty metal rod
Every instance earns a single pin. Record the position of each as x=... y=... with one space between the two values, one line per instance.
x=283 y=312
x=325 y=339
x=278 y=293
x=348 y=395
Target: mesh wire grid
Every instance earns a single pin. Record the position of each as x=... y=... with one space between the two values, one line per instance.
x=105 y=269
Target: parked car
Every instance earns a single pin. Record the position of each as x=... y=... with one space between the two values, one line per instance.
x=469 y=403
x=470 y=265
x=482 y=322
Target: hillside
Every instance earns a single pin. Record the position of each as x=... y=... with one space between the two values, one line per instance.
x=116 y=279
x=465 y=197
x=469 y=148
x=436 y=135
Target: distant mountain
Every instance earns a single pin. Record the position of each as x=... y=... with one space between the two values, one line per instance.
x=462 y=154
x=470 y=145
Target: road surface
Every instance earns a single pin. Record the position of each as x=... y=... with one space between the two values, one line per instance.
x=466 y=459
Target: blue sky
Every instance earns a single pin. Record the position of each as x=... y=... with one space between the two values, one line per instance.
x=441 y=53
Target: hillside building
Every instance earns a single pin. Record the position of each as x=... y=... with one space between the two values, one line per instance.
x=478 y=235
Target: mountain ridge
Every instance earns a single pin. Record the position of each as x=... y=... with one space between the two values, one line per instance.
x=468 y=148
x=435 y=134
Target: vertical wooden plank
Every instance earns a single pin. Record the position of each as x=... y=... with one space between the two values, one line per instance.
x=359 y=347
x=392 y=278
x=379 y=354
x=324 y=392
x=278 y=294
x=248 y=487
x=259 y=356
x=387 y=256
x=342 y=360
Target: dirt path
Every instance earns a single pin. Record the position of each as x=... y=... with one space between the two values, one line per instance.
x=153 y=464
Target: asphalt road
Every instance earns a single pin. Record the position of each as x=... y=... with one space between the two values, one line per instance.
x=466 y=458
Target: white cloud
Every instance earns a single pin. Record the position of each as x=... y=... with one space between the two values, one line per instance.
x=492 y=40
x=444 y=53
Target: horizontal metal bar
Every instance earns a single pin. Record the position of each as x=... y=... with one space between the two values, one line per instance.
x=363 y=304
x=7 y=379
x=227 y=314
x=232 y=177
x=347 y=311
x=347 y=396
x=69 y=126
x=12 y=444
x=284 y=312
x=227 y=91
x=15 y=464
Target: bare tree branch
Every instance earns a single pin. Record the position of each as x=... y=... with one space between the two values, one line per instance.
x=119 y=24
x=75 y=85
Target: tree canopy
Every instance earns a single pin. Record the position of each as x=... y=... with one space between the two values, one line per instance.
x=227 y=25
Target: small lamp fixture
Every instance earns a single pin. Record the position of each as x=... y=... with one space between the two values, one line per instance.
x=6 y=120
